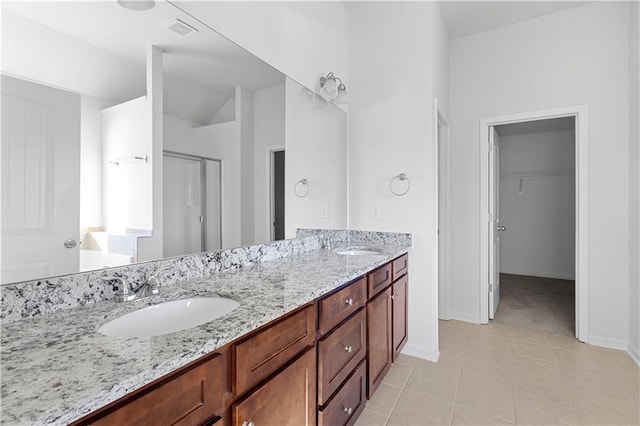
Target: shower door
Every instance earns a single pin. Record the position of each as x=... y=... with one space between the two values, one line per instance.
x=191 y=206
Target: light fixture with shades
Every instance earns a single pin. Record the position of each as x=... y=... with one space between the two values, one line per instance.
x=137 y=4
x=333 y=89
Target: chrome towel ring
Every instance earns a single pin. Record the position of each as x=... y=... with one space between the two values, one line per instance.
x=400 y=185
x=302 y=188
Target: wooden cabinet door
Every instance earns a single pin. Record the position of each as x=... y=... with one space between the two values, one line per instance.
x=289 y=398
x=378 y=339
x=399 y=309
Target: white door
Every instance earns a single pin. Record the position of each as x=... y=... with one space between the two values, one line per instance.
x=40 y=180
x=494 y=222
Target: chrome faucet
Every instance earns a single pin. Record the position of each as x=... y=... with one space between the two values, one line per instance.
x=126 y=293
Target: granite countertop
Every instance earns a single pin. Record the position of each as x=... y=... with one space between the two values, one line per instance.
x=57 y=368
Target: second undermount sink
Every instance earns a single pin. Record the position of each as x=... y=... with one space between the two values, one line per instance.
x=168 y=317
x=357 y=251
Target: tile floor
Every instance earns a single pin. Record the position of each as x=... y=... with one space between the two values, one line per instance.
x=495 y=375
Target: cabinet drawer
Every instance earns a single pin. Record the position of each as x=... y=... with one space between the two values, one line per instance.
x=191 y=398
x=286 y=399
x=339 y=353
x=348 y=402
x=400 y=266
x=333 y=309
x=379 y=279
x=264 y=352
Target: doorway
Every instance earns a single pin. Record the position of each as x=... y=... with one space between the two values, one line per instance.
x=533 y=284
x=192 y=204
x=491 y=226
x=276 y=198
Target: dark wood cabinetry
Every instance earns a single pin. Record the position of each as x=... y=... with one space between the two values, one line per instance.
x=316 y=365
x=288 y=398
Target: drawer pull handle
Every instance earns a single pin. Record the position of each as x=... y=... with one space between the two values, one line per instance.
x=349 y=302
x=348 y=349
x=348 y=410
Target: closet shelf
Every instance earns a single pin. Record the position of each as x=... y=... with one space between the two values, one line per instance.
x=525 y=175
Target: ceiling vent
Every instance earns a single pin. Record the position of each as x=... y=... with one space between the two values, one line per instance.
x=181 y=28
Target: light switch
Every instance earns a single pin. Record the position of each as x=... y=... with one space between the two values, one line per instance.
x=376 y=211
x=324 y=211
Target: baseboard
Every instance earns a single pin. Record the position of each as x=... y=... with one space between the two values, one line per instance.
x=634 y=353
x=541 y=275
x=607 y=342
x=421 y=352
x=465 y=316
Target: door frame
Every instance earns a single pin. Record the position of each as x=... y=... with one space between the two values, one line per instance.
x=581 y=114
x=441 y=211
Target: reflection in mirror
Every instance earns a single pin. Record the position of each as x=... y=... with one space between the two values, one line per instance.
x=124 y=141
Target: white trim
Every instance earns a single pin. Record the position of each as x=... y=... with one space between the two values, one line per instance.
x=608 y=342
x=441 y=212
x=581 y=113
x=421 y=353
x=634 y=353
x=540 y=275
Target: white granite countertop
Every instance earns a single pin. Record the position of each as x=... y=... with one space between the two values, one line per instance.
x=57 y=368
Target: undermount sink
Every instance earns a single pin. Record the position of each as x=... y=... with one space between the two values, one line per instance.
x=357 y=251
x=168 y=317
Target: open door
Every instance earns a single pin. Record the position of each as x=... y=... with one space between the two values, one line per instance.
x=40 y=181
x=494 y=222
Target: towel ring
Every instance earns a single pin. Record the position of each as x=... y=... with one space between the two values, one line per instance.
x=305 y=188
x=402 y=177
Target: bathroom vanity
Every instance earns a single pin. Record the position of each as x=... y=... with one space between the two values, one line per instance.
x=313 y=336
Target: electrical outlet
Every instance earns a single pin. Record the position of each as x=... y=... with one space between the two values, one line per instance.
x=376 y=212
x=324 y=211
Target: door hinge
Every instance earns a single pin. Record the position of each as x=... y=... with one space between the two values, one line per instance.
x=201 y=219
x=490 y=288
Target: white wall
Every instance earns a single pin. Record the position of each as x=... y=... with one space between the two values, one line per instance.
x=540 y=221
x=634 y=180
x=316 y=150
x=268 y=131
x=391 y=131
x=128 y=188
x=534 y=65
x=304 y=40
x=90 y=162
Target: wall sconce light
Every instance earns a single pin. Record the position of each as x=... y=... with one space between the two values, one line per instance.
x=333 y=89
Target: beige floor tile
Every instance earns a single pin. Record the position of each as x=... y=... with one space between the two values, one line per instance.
x=446 y=364
x=383 y=399
x=490 y=402
x=406 y=360
x=369 y=418
x=526 y=335
x=614 y=407
x=522 y=367
x=596 y=419
x=530 y=350
x=595 y=360
x=487 y=375
x=601 y=382
x=491 y=357
x=542 y=390
x=565 y=342
x=450 y=327
x=487 y=344
x=397 y=375
x=440 y=384
x=462 y=416
x=417 y=409
x=530 y=412
x=490 y=329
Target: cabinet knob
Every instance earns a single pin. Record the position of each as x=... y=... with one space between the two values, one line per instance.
x=396 y=294
x=246 y=423
x=349 y=302
x=348 y=410
x=348 y=349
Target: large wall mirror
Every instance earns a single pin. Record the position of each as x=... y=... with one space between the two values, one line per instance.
x=137 y=135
